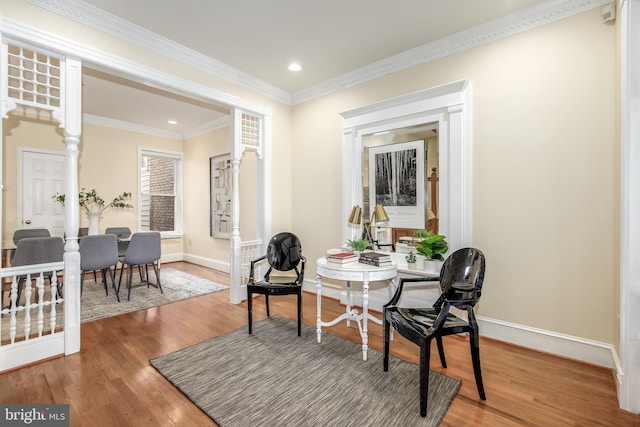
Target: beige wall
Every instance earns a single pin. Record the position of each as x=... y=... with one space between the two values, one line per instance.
x=108 y=162
x=543 y=162
x=543 y=170
x=197 y=152
x=19 y=131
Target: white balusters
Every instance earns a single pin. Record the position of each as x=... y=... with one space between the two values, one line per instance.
x=17 y=317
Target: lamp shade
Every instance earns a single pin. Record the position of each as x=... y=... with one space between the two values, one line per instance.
x=380 y=215
x=356 y=215
x=431 y=214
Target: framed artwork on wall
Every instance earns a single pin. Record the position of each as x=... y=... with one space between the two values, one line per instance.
x=220 y=203
x=396 y=181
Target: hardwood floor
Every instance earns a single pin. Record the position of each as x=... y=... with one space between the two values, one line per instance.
x=111 y=383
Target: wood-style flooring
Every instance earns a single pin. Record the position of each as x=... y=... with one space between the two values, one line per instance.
x=111 y=383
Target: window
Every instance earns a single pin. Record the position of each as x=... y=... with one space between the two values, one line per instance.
x=160 y=203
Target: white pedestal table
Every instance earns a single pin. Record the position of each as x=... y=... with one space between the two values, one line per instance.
x=357 y=272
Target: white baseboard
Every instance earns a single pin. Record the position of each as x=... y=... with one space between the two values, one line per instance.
x=171 y=258
x=589 y=351
x=198 y=260
x=585 y=350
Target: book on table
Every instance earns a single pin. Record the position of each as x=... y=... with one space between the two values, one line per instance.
x=342 y=258
x=375 y=263
x=375 y=257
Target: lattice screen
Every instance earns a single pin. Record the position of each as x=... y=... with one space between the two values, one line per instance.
x=250 y=130
x=34 y=78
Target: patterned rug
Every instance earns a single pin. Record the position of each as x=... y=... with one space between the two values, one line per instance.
x=275 y=378
x=176 y=286
x=95 y=304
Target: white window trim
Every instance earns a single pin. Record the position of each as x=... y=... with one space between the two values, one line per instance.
x=155 y=152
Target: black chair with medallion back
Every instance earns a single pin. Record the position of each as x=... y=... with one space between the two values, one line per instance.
x=284 y=254
x=461 y=281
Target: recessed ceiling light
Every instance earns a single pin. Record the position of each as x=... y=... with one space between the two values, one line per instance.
x=294 y=67
x=172 y=122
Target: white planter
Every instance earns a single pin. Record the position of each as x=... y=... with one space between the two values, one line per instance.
x=412 y=265
x=94 y=222
x=431 y=266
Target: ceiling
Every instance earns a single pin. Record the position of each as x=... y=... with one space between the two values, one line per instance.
x=328 y=38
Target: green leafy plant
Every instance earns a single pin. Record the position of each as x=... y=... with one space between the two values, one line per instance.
x=358 y=245
x=411 y=257
x=433 y=247
x=421 y=234
x=91 y=202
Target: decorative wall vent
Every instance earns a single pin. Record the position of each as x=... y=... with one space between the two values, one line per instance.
x=34 y=79
x=250 y=131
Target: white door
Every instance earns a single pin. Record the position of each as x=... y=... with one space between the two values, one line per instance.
x=43 y=176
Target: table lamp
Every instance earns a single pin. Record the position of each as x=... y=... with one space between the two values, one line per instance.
x=356 y=215
x=378 y=217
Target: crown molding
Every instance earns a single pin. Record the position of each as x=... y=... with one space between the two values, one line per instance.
x=98 y=19
x=134 y=127
x=473 y=37
x=20 y=32
x=545 y=13
x=128 y=126
x=207 y=127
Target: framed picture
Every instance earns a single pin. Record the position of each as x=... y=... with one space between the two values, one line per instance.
x=396 y=181
x=221 y=186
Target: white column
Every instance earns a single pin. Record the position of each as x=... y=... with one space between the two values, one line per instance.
x=72 y=129
x=265 y=183
x=236 y=294
x=236 y=249
x=629 y=371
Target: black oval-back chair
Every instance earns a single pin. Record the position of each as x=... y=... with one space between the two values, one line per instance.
x=284 y=254
x=461 y=281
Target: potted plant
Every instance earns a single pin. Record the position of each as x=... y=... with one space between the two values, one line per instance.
x=94 y=205
x=411 y=260
x=433 y=248
x=420 y=235
x=358 y=245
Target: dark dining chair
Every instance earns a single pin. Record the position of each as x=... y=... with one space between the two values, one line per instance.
x=99 y=253
x=461 y=281
x=123 y=234
x=284 y=254
x=23 y=233
x=144 y=249
x=38 y=250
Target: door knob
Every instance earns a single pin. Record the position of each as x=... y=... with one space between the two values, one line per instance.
x=28 y=221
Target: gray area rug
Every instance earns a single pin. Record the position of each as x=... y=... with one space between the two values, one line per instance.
x=95 y=305
x=275 y=378
x=176 y=285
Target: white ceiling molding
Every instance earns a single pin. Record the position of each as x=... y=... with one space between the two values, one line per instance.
x=16 y=30
x=468 y=39
x=148 y=130
x=128 y=126
x=207 y=127
x=98 y=19
x=93 y=17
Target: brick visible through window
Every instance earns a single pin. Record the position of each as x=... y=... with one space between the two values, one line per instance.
x=158 y=184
